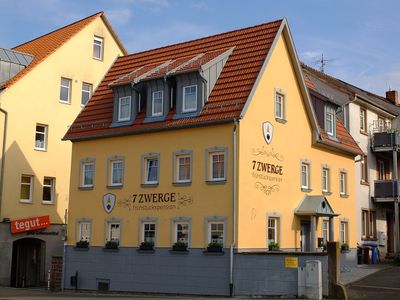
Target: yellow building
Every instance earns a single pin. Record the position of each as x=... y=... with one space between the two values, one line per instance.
x=202 y=147
x=44 y=83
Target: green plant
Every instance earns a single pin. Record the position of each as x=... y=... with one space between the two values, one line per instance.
x=179 y=246
x=325 y=246
x=82 y=244
x=273 y=246
x=214 y=247
x=112 y=245
x=344 y=247
x=146 y=245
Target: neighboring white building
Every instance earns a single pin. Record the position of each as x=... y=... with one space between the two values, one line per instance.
x=366 y=115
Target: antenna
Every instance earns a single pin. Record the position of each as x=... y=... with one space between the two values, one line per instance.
x=322 y=63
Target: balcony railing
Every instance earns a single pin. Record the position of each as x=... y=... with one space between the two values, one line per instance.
x=385 y=141
x=386 y=189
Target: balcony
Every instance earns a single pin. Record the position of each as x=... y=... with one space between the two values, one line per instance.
x=386 y=190
x=385 y=141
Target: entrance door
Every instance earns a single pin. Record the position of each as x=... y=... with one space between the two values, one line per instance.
x=305 y=234
x=390 y=233
x=28 y=259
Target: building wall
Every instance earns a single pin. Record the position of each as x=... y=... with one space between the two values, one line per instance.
x=203 y=200
x=262 y=193
x=35 y=99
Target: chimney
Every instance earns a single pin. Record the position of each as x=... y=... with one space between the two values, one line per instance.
x=392 y=96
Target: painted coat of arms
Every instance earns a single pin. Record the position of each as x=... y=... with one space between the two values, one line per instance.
x=268 y=131
x=108 y=202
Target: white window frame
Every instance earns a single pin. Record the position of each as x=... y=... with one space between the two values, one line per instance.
x=344 y=232
x=52 y=190
x=30 y=188
x=325 y=231
x=144 y=223
x=211 y=166
x=101 y=40
x=184 y=109
x=83 y=171
x=153 y=112
x=112 y=162
x=329 y=110
x=176 y=231
x=363 y=120
x=276 y=221
x=80 y=225
x=68 y=101
x=279 y=102
x=325 y=179
x=88 y=92
x=146 y=169
x=306 y=166
x=128 y=118
x=44 y=148
x=178 y=158
x=210 y=223
x=343 y=183
x=109 y=237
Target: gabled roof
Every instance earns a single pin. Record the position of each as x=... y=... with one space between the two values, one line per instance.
x=226 y=101
x=314 y=206
x=45 y=45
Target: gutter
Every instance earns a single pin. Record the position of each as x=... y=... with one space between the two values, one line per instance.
x=3 y=154
x=234 y=200
x=336 y=147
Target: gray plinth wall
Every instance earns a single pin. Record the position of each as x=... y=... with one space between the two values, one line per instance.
x=265 y=273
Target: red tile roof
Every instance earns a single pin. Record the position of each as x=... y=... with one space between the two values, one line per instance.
x=226 y=101
x=47 y=44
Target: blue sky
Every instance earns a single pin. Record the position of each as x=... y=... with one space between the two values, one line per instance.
x=360 y=38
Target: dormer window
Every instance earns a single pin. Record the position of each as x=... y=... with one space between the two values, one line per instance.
x=157 y=103
x=189 y=98
x=330 y=122
x=124 y=109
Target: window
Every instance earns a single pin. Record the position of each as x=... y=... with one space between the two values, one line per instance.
x=65 y=90
x=157 y=103
x=117 y=172
x=344 y=234
x=325 y=180
x=182 y=232
x=151 y=170
x=364 y=169
x=343 y=183
x=114 y=232
x=84 y=231
x=325 y=230
x=368 y=221
x=273 y=225
x=330 y=120
x=41 y=137
x=189 y=98
x=98 y=48
x=86 y=92
x=124 y=108
x=87 y=174
x=26 y=188
x=217 y=166
x=305 y=176
x=381 y=124
x=279 y=102
x=363 y=120
x=48 y=189
x=183 y=168
x=216 y=232
x=149 y=232
x=381 y=170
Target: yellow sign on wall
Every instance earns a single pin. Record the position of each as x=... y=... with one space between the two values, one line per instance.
x=291 y=262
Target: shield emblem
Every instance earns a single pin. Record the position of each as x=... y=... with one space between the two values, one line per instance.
x=108 y=202
x=268 y=131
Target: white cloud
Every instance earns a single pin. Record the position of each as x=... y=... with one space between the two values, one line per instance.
x=119 y=17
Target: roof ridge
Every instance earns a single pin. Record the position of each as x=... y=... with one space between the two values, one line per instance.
x=204 y=37
x=58 y=29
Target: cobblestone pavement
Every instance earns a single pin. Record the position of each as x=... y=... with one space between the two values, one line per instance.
x=384 y=284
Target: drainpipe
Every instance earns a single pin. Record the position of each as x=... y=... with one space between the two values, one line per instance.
x=235 y=125
x=3 y=155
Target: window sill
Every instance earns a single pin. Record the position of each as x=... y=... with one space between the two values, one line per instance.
x=369 y=239
x=306 y=190
x=40 y=149
x=326 y=193
x=48 y=202
x=65 y=102
x=214 y=182
x=25 y=201
x=149 y=185
x=86 y=188
x=113 y=187
x=363 y=133
x=97 y=58
x=364 y=183
x=344 y=196
x=182 y=183
x=279 y=120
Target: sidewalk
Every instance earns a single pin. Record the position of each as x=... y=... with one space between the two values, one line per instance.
x=359 y=272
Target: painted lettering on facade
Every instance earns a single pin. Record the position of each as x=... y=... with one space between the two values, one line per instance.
x=155 y=201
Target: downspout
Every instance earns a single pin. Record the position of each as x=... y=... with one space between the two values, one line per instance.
x=234 y=177
x=3 y=155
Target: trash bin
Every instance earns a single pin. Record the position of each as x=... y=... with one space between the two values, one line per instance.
x=374 y=252
x=366 y=258
x=359 y=256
